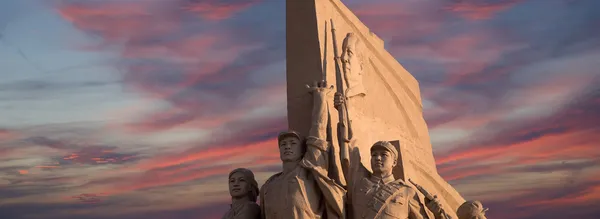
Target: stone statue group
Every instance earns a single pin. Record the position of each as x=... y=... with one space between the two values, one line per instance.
x=303 y=189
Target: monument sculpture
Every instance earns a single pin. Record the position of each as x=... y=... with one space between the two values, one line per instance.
x=361 y=168
x=243 y=189
x=388 y=107
x=303 y=189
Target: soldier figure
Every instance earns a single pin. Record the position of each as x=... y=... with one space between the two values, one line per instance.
x=244 y=190
x=471 y=210
x=378 y=194
x=303 y=190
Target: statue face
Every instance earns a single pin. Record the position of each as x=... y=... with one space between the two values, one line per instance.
x=290 y=149
x=382 y=161
x=238 y=186
x=348 y=59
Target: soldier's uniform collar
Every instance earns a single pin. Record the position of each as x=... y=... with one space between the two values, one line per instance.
x=385 y=180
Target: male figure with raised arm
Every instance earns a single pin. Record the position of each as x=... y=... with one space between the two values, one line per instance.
x=303 y=190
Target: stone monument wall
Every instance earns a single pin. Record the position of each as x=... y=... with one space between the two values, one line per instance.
x=391 y=107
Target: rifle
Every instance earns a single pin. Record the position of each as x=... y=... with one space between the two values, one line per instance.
x=343 y=126
x=430 y=197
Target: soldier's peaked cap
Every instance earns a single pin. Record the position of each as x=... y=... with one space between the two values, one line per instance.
x=386 y=145
x=471 y=208
x=289 y=133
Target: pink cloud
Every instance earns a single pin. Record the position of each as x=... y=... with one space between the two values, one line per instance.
x=214 y=10
x=480 y=10
x=7 y=135
x=169 y=57
x=395 y=19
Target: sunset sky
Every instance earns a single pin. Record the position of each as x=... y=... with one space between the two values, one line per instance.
x=131 y=109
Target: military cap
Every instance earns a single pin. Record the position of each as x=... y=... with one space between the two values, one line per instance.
x=289 y=133
x=386 y=145
x=471 y=209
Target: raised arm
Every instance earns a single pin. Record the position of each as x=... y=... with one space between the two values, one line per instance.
x=317 y=155
x=318 y=128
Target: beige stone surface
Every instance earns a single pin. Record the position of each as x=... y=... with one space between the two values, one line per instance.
x=390 y=108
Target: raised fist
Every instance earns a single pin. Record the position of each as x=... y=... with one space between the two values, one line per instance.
x=338 y=100
x=435 y=206
x=320 y=88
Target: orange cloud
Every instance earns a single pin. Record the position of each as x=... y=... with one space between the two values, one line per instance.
x=7 y=135
x=475 y=10
x=187 y=166
x=386 y=19
x=88 y=198
x=6 y=152
x=115 y=21
x=213 y=10
x=164 y=178
x=589 y=195
x=47 y=167
x=195 y=115
x=214 y=152
x=498 y=159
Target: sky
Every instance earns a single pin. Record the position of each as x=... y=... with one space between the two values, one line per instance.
x=140 y=108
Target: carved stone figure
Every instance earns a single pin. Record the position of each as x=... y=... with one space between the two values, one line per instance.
x=392 y=108
x=378 y=194
x=244 y=191
x=471 y=210
x=353 y=66
x=303 y=190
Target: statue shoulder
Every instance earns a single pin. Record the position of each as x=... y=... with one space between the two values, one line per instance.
x=402 y=185
x=400 y=182
x=271 y=179
x=254 y=208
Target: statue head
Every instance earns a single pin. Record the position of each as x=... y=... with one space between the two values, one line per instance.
x=350 y=47
x=471 y=210
x=384 y=157
x=242 y=184
x=352 y=62
x=290 y=146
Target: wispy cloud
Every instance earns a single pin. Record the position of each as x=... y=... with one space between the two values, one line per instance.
x=510 y=98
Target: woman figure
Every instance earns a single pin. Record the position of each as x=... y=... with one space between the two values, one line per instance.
x=244 y=191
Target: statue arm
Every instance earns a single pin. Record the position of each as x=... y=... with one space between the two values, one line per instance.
x=316 y=152
x=316 y=158
x=319 y=113
x=317 y=146
x=350 y=158
x=415 y=206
